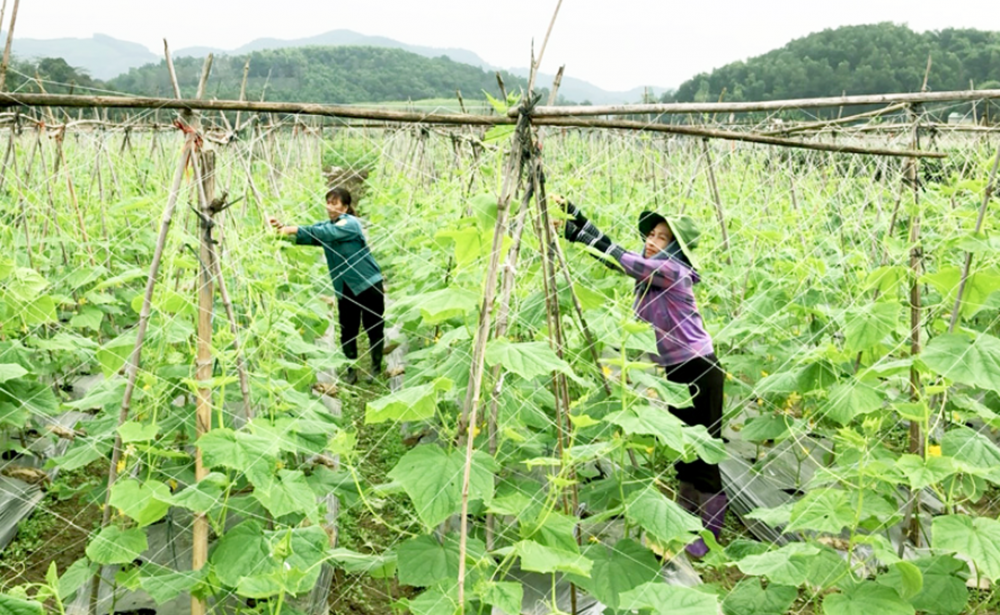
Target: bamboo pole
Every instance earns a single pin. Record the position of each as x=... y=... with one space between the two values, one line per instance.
x=205 y=178
x=6 y=50
x=717 y=200
x=836 y=122
x=471 y=408
x=773 y=105
x=987 y=195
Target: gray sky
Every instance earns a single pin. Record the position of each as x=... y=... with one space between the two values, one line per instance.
x=616 y=45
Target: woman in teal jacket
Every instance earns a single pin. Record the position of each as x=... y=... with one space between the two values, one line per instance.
x=357 y=279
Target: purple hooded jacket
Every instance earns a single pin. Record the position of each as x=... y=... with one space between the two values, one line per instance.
x=664 y=297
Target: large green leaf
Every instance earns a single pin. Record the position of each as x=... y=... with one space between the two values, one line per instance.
x=749 y=598
x=539 y=558
x=117 y=546
x=617 y=569
x=650 y=421
x=9 y=605
x=775 y=427
x=433 y=602
x=663 y=518
x=787 y=565
x=165 y=585
x=423 y=561
x=80 y=573
x=412 y=404
x=972 y=361
x=822 y=510
x=526 y=359
x=978 y=287
x=204 y=495
x=145 y=502
x=943 y=592
x=432 y=477
x=288 y=493
x=867 y=326
x=972 y=448
x=241 y=552
x=9 y=371
x=867 y=598
x=663 y=599
x=850 y=399
x=441 y=305
x=505 y=596
x=239 y=451
x=925 y=472
x=977 y=538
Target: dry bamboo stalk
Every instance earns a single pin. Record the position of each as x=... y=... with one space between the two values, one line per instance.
x=541 y=52
x=471 y=409
x=717 y=200
x=170 y=71
x=6 y=49
x=773 y=105
x=243 y=93
x=205 y=179
x=836 y=122
x=987 y=195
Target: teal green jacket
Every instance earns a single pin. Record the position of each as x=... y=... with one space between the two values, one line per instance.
x=347 y=255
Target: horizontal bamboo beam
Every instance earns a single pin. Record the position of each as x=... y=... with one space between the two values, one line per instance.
x=771 y=105
x=369 y=113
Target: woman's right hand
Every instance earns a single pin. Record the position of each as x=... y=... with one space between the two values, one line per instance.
x=274 y=223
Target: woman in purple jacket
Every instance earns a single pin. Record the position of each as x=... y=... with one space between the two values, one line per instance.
x=665 y=276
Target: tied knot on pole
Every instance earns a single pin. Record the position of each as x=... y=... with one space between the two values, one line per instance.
x=188 y=130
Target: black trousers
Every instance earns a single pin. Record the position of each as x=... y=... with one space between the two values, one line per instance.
x=368 y=307
x=705 y=379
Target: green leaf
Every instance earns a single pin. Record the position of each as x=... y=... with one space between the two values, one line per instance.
x=165 y=585
x=76 y=576
x=867 y=326
x=526 y=359
x=9 y=371
x=944 y=591
x=377 y=566
x=660 y=516
x=663 y=599
x=748 y=598
x=911 y=579
x=423 y=561
x=978 y=287
x=132 y=431
x=290 y=493
x=539 y=558
x=441 y=305
x=241 y=552
x=971 y=361
x=117 y=546
x=498 y=132
x=886 y=279
x=505 y=596
x=484 y=208
x=822 y=510
x=40 y=311
x=432 y=477
x=977 y=538
x=433 y=602
x=617 y=570
x=925 y=472
x=239 y=451
x=412 y=404
x=867 y=598
x=787 y=565
x=973 y=449
x=847 y=400
x=9 y=605
x=89 y=317
x=146 y=502
x=768 y=427
x=650 y=421
x=204 y=495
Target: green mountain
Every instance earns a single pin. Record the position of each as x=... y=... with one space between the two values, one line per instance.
x=866 y=59
x=335 y=75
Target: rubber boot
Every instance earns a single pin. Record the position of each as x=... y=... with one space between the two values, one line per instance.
x=350 y=375
x=376 y=353
x=689 y=499
x=713 y=511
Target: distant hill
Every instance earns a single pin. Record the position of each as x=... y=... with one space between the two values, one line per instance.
x=867 y=59
x=335 y=75
x=103 y=57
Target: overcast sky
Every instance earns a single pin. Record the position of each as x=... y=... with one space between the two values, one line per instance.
x=616 y=45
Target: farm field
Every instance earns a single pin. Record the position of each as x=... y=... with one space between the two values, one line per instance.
x=860 y=450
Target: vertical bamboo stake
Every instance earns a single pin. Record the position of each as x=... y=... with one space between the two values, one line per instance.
x=6 y=50
x=243 y=93
x=471 y=409
x=718 y=201
x=205 y=171
x=987 y=195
